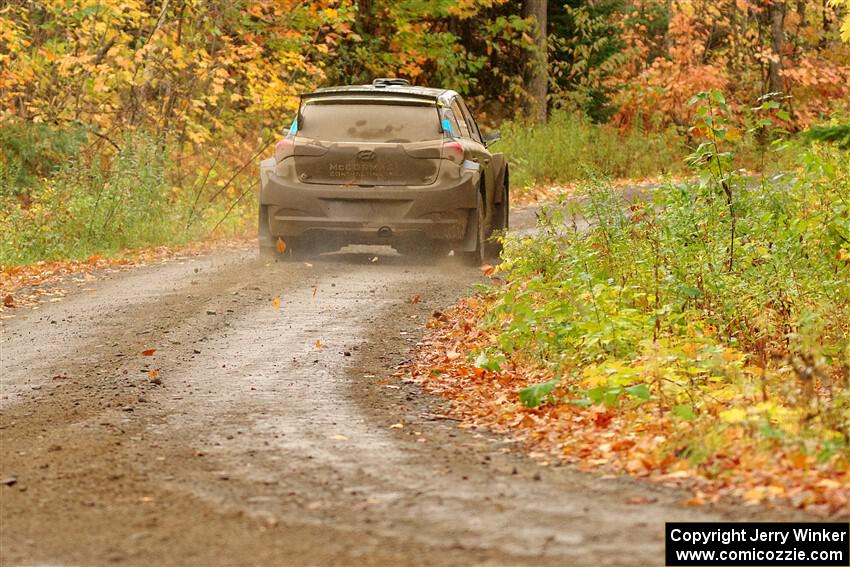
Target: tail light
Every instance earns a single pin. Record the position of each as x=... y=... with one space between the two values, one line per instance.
x=453 y=151
x=284 y=149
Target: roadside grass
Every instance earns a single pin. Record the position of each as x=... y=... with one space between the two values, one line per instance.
x=569 y=147
x=701 y=335
x=62 y=200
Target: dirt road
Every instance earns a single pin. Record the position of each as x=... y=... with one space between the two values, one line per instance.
x=276 y=436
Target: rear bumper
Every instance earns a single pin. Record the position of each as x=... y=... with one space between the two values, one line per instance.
x=440 y=211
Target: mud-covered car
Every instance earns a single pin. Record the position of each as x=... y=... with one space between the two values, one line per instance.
x=386 y=163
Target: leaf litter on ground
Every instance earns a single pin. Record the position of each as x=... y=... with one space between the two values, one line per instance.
x=634 y=439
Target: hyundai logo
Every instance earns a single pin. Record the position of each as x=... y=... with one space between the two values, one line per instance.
x=366 y=155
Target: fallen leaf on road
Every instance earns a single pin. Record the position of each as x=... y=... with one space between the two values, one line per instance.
x=397 y=426
x=9 y=301
x=374 y=259
x=276 y=302
x=318 y=343
x=487 y=269
x=695 y=501
x=339 y=437
x=415 y=299
x=153 y=376
x=280 y=246
x=59 y=377
x=148 y=352
x=315 y=291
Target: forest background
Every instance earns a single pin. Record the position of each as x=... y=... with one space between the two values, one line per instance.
x=127 y=123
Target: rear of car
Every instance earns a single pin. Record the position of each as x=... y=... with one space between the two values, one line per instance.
x=367 y=166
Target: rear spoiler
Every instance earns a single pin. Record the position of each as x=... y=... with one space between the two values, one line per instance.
x=406 y=92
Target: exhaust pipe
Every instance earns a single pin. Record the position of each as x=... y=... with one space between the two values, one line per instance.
x=385 y=232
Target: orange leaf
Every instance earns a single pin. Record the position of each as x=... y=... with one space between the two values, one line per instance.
x=276 y=302
x=318 y=343
x=695 y=501
x=148 y=352
x=153 y=376
x=415 y=299
x=280 y=246
x=487 y=269
x=9 y=301
x=603 y=419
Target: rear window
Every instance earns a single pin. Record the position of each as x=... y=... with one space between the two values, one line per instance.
x=353 y=122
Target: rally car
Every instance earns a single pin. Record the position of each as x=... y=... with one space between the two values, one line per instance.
x=385 y=163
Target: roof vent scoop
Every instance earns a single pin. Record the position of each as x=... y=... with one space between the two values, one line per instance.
x=390 y=82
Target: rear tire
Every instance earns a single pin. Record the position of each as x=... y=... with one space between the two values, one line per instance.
x=291 y=253
x=478 y=256
x=501 y=223
x=265 y=242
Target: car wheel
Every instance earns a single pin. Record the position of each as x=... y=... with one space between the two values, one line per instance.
x=293 y=251
x=477 y=256
x=264 y=239
x=501 y=222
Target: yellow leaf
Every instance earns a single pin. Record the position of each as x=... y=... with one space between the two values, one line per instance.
x=276 y=302
x=280 y=246
x=733 y=134
x=734 y=415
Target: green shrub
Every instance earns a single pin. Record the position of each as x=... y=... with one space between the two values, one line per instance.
x=97 y=206
x=723 y=300
x=569 y=145
x=30 y=152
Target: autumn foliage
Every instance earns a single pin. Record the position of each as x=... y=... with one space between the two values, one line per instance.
x=201 y=88
x=699 y=335
x=734 y=46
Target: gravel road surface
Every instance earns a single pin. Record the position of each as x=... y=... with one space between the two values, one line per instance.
x=277 y=436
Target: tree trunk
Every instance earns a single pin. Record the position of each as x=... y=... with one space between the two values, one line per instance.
x=537 y=74
x=364 y=16
x=776 y=11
